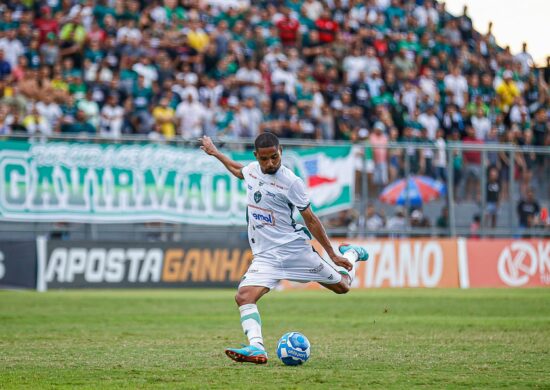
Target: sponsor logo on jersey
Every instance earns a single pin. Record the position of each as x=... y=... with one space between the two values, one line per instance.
x=270 y=194
x=262 y=216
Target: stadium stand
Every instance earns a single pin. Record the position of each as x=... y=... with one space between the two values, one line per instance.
x=371 y=71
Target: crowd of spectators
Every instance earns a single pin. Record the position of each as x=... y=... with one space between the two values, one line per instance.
x=372 y=71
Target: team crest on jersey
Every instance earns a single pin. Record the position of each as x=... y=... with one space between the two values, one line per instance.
x=257 y=196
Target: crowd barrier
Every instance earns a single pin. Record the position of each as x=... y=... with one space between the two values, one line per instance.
x=441 y=263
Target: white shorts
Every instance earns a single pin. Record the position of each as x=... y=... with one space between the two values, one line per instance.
x=295 y=261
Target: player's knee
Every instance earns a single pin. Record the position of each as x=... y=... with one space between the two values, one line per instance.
x=342 y=288
x=242 y=298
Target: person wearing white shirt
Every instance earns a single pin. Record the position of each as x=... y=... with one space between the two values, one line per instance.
x=190 y=115
x=12 y=48
x=282 y=75
x=427 y=85
x=49 y=110
x=147 y=70
x=112 y=116
x=426 y=13
x=525 y=59
x=481 y=125
x=354 y=64
x=249 y=79
x=313 y=9
x=249 y=119
x=430 y=122
x=456 y=84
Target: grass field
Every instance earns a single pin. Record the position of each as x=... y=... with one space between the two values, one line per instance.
x=175 y=339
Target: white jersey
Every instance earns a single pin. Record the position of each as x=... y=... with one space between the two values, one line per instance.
x=271 y=202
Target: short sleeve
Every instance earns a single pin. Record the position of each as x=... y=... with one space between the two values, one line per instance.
x=245 y=170
x=297 y=195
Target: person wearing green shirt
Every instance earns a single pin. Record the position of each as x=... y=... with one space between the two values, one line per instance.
x=80 y=125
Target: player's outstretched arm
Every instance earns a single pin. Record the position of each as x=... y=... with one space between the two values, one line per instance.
x=316 y=228
x=232 y=166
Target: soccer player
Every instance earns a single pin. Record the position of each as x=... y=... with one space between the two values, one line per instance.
x=280 y=246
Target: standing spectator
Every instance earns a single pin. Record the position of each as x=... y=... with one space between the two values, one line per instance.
x=36 y=123
x=46 y=24
x=492 y=197
x=250 y=119
x=327 y=27
x=90 y=108
x=440 y=158
x=379 y=142
x=5 y=67
x=525 y=60
x=80 y=125
x=12 y=47
x=472 y=162
x=50 y=110
x=249 y=79
x=288 y=28
x=481 y=125
x=190 y=115
x=457 y=86
x=507 y=91
x=165 y=118
x=112 y=116
x=528 y=209
x=429 y=121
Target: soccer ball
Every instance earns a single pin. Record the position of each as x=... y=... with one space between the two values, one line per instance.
x=293 y=349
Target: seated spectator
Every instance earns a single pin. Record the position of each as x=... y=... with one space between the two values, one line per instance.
x=374 y=221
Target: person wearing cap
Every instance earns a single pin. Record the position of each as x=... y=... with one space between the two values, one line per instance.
x=507 y=91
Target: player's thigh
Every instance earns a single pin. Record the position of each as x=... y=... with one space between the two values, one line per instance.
x=264 y=271
x=301 y=263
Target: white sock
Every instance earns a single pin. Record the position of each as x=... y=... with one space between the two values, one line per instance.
x=252 y=324
x=352 y=256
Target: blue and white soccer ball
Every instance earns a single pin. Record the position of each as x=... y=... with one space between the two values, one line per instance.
x=293 y=349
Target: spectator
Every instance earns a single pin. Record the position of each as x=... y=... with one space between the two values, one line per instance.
x=419 y=220
x=507 y=91
x=379 y=143
x=36 y=123
x=5 y=67
x=112 y=115
x=80 y=124
x=288 y=29
x=443 y=219
x=12 y=47
x=475 y=226
x=472 y=163
x=528 y=210
x=492 y=196
x=481 y=125
x=50 y=110
x=190 y=116
x=398 y=223
x=374 y=221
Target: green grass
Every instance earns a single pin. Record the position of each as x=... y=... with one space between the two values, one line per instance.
x=377 y=338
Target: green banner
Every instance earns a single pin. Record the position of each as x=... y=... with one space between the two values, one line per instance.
x=86 y=182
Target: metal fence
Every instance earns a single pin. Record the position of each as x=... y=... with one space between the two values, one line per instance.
x=466 y=170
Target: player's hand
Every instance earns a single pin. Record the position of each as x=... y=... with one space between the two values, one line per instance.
x=208 y=146
x=342 y=262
